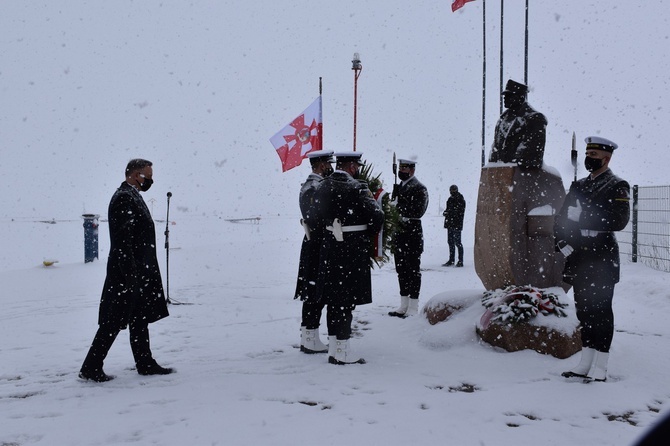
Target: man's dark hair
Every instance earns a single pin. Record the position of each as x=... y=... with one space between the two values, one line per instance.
x=136 y=164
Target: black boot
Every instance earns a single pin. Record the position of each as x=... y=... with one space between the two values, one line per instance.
x=153 y=369
x=450 y=262
x=95 y=375
x=91 y=369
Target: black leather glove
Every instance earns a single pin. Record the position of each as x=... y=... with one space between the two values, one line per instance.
x=394 y=195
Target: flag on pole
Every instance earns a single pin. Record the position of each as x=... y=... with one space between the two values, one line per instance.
x=303 y=135
x=458 y=4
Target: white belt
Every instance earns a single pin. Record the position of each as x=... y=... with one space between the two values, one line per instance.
x=591 y=233
x=354 y=228
x=338 y=230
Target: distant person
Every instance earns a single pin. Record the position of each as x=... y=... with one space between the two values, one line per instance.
x=308 y=269
x=520 y=133
x=411 y=198
x=453 y=222
x=594 y=208
x=132 y=295
x=351 y=217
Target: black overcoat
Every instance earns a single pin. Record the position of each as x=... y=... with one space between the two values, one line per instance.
x=454 y=212
x=344 y=267
x=308 y=267
x=133 y=286
x=605 y=208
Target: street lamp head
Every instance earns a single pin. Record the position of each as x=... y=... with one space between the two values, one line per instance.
x=356 y=62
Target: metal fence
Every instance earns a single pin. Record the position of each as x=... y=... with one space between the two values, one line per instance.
x=646 y=239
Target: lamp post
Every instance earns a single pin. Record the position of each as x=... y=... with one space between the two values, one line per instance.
x=357 y=67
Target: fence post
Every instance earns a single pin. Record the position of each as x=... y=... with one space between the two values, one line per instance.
x=634 y=235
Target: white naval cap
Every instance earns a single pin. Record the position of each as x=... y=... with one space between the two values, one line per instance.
x=349 y=156
x=406 y=162
x=596 y=142
x=317 y=155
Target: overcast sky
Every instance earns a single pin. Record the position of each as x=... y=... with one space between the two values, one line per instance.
x=199 y=88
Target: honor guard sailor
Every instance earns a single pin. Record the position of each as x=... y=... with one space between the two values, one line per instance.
x=595 y=207
x=411 y=198
x=308 y=268
x=351 y=216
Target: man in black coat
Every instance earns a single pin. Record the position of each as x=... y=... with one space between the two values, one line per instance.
x=308 y=267
x=453 y=222
x=412 y=202
x=132 y=295
x=594 y=208
x=520 y=133
x=350 y=217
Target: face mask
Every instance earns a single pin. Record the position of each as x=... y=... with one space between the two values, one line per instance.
x=147 y=184
x=592 y=164
x=403 y=175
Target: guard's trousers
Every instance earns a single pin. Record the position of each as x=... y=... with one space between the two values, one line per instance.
x=407 y=256
x=593 y=301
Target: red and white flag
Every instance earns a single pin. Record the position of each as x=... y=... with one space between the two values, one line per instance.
x=458 y=4
x=303 y=135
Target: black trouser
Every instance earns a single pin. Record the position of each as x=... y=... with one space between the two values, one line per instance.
x=311 y=314
x=407 y=256
x=104 y=338
x=454 y=241
x=593 y=301
x=339 y=319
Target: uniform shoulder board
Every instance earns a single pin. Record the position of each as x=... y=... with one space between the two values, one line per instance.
x=622 y=193
x=622 y=189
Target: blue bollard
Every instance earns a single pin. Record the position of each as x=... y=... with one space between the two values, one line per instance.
x=90 y=237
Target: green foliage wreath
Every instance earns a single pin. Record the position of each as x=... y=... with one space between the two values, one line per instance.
x=391 y=216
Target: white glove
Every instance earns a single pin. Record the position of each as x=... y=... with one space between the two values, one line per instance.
x=566 y=250
x=574 y=212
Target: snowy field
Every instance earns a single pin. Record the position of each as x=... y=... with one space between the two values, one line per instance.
x=241 y=379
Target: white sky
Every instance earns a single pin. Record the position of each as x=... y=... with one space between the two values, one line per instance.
x=200 y=87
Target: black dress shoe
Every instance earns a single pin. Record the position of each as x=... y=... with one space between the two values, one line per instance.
x=449 y=263
x=154 y=369
x=459 y=264
x=98 y=376
x=570 y=374
x=396 y=314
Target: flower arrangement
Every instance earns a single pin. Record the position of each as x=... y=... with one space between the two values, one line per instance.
x=517 y=304
x=381 y=246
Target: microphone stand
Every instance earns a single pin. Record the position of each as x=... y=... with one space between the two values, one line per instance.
x=167 y=249
x=167 y=256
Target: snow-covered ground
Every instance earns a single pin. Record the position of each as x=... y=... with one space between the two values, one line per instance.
x=241 y=380
x=199 y=88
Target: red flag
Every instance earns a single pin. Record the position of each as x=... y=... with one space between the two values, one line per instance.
x=458 y=4
x=303 y=135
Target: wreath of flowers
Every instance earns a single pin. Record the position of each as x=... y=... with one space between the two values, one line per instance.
x=391 y=215
x=521 y=303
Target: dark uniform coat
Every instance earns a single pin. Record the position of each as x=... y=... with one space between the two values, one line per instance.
x=344 y=267
x=408 y=238
x=605 y=208
x=455 y=212
x=308 y=266
x=133 y=286
x=519 y=137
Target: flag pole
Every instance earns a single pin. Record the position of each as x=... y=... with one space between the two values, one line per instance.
x=502 y=8
x=483 y=82
x=357 y=67
x=321 y=113
x=525 y=67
